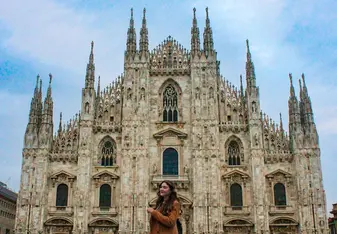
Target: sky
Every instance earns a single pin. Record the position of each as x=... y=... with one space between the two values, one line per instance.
x=49 y=36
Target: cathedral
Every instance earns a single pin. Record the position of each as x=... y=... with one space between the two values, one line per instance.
x=171 y=115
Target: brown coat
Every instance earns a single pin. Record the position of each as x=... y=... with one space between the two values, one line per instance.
x=161 y=224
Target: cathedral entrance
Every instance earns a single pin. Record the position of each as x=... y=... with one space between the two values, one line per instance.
x=238 y=226
x=103 y=226
x=58 y=225
x=283 y=226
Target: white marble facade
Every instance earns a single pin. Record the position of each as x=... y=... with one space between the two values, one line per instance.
x=236 y=171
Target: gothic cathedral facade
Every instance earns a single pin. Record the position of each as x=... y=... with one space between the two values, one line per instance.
x=171 y=115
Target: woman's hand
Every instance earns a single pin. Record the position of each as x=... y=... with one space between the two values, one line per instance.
x=149 y=210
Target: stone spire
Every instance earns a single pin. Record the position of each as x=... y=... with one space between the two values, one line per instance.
x=195 y=36
x=34 y=103
x=295 y=127
x=47 y=117
x=144 y=40
x=307 y=104
x=60 y=124
x=208 y=36
x=90 y=75
x=250 y=70
x=241 y=87
x=281 y=124
x=131 y=44
x=98 y=86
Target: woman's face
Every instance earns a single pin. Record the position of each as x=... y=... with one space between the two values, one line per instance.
x=164 y=190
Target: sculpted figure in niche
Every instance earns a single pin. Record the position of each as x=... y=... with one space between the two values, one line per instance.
x=253 y=107
x=154 y=169
x=256 y=139
x=186 y=170
x=86 y=108
x=197 y=93
x=142 y=94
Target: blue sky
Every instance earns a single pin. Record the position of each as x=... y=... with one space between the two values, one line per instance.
x=49 y=36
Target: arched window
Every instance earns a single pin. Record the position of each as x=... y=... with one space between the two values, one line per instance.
x=170 y=104
x=280 y=195
x=105 y=196
x=233 y=153
x=108 y=153
x=170 y=162
x=62 y=195
x=236 y=195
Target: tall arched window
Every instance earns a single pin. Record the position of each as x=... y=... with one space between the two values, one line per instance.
x=280 y=195
x=108 y=153
x=236 y=195
x=105 y=196
x=170 y=162
x=170 y=104
x=233 y=153
x=62 y=195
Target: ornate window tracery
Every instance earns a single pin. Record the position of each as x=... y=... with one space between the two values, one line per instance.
x=170 y=162
x=105 y=196
x=236 y=195
x=280 y=198
x=62 y=195
x=233 y=153
x=170 y=104
x=108 y=153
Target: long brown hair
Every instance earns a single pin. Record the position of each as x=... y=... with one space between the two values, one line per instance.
x=167 y=206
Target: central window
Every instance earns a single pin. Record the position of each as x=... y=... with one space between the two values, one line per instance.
x=170 y=162
x=170 y=104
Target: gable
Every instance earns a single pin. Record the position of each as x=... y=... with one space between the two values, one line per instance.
x=278 y=172
x=170 y=132
x=105 y=174
x=236 y=173
x=63 y=174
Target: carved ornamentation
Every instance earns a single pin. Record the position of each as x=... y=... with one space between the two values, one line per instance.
x=62 y=177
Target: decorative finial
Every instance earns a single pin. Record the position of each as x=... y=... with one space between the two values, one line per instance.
x=131 y=13
x=194 y=10
x=144 y=12
x=303 y=79
x=291 y=78
x=50 y=78
x=247 y=43
x=37 y=79
x=206 y=12
x=92 y=46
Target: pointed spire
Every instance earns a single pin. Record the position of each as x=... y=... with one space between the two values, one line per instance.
x=281 y=123
x=144 y=40
x=60 y=124
x=301 y=89
x=241 y=86
x=195 y=35
x=99 y=86
x=250 y=70
x=33 y=112
x=208 y=36
x=49 y=87
x=308 y=115
x=292 y=90
x=131 y=44
x=90 y=75
x=48 y=104
x=305 y=89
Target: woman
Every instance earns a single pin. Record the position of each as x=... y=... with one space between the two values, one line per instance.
x=164 y=217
